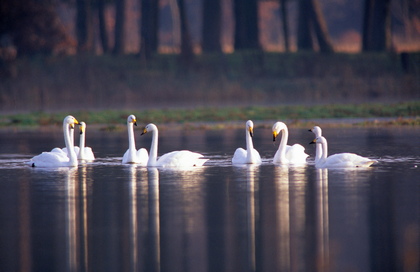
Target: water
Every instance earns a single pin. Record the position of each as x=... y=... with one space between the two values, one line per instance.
x=104 y=216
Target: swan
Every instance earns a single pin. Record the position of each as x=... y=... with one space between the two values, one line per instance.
x=183 y=158
x=287 y=154
x=84 y=152
x=250 y=155
x=318 y=133
x=341 y=160
x=132 y=155
x=57 y=157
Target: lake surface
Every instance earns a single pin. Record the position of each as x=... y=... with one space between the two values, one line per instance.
x=105 y=216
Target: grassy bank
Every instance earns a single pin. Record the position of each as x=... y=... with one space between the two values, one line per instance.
x=108 y=82
x=296 y=115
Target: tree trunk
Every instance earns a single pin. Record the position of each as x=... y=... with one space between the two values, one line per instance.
x=304 y=38
x=211 y=31
x=103 y=34
x=283 y=13
x=84 y=28
x=119 y=44
x=187 y=53
x=246 y=25
x=311 y=19
x=149 y=27
x=377 y=26
x=320 y=28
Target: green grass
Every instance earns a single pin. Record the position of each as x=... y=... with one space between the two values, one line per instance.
x=111 y=119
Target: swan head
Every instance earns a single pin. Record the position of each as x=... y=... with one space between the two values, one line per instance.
x=82 y=127
x=316 y=130
x=250 y=127
x=132 y=120
x=71 y=121
x=277 y=127
x=319 y=140
x=149 y=128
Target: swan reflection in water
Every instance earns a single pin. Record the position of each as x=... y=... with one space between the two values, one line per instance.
x=322 y=252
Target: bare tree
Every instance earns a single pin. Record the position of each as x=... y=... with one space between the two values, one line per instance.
x=84 y=26
x=149 y=27
x=103 y=34
x=312 y=23
x=246 y=24
x=285 y=24
x=187 y=53
x=119 y=45
x=211 y=28
x=376 y=26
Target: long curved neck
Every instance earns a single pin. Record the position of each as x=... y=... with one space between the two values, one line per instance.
x=283 y=143
x=324 y=155
x=318 y=152
x=82 y=144
x=249 y=145
x=69 y=145
x=153 y=149
x=131 y=141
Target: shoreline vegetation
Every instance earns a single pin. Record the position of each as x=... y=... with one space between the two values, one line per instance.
x=339 y=115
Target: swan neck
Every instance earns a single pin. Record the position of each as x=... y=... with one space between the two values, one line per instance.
x=131 y=142
x=69 y=145
x=82 y=145
x=153 y=149
x=283 y=142
x=249 y=145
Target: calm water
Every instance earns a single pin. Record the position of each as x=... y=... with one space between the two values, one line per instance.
x=104 y=216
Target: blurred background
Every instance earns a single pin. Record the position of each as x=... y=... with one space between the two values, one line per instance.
x=60 y=55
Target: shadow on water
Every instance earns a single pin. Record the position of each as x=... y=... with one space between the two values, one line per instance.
x=105 y=216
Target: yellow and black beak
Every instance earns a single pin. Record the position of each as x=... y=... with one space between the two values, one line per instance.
x=313 y=142
x=81 y=130
x=144 y=131
x=275 y=135
x=251 y=131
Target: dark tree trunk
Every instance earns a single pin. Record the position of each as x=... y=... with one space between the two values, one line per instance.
x=320 y=28
x=304 y=38
x=187 y=53
x=119 y=44
x=211 y=31
x=103 y=34
x=283 y=13
x=246 y=24
x=377 y=26
x=84 y=28
x=149 y=27
x=310 y=20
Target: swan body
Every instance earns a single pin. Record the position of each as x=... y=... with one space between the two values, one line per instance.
x=57 y=157
x=84 y=152
x=287 y=154
x=341 y=160
x=174 y=159
x=318 y=133
x=132 y=155
x=250 y=155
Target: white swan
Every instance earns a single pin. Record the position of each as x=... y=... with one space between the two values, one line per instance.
x=85 y=152
x=341 y=160
x=132 y=155
x=287 y=154
x=250 y=155
x=183 y=158
x=57 y=157
x=318 y=133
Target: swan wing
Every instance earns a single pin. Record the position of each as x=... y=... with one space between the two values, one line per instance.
x=296 y=154
x=88 y=154
x=142 y=156
x=256 y=156
x=50 y=159
x=183 y=158
x=239 y=157
x=347 y=160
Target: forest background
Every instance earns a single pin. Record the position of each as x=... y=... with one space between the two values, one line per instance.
x=66 y=55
